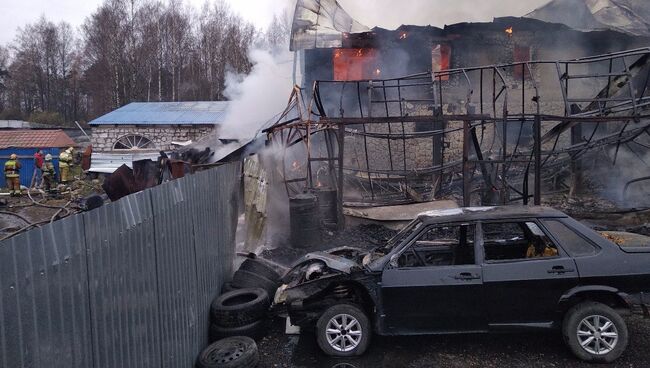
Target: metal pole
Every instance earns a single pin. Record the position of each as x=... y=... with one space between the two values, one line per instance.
x=339 y=193
x=538 y=161
x=466 y=166
x=82 y=129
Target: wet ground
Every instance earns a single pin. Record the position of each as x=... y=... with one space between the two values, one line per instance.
x=527 y=350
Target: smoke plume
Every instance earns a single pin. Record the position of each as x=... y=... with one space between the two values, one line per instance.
x=259 y=96
x=385 y=13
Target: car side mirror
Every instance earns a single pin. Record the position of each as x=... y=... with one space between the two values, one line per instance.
x=393 y=261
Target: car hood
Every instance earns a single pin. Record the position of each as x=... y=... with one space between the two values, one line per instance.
x=343 y=259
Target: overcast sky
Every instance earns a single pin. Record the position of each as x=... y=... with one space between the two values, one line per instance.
x=384 y=13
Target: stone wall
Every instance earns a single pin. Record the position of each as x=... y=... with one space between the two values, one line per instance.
x=104 y=137
x=411 y=154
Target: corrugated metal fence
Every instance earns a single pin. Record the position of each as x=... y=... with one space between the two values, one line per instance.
x=126 y=285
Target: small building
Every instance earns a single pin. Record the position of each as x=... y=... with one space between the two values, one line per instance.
x=155 y=126
x=24 y=143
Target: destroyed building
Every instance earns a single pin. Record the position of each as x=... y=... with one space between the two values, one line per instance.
x=482 y=113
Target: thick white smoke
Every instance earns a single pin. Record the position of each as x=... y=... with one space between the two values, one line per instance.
x=259 y=96
x=388 y=14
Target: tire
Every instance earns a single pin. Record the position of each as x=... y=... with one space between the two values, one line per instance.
x=233 y=352
x=577 y=321
x=245 y=279
x=259 y=267
x=255 y=330
x=240 y=307
x=357 y=322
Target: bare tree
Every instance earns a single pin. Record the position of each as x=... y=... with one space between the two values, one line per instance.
x=127 y=50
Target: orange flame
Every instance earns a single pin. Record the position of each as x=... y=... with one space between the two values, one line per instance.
x=403 y=36
x=377 y=71
x=509 y=31
x=295 y=165
x=319 y=184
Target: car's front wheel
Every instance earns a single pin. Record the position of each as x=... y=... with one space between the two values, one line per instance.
x=343 y=330
x=595 y=332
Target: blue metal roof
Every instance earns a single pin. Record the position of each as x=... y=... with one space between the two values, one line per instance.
x=166 y=113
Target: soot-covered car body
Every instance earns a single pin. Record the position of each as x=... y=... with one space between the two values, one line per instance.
x=476 y=269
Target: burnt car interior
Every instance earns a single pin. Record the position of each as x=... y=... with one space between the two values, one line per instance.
x=441 y=246
x=574 y=244
x=504 y=241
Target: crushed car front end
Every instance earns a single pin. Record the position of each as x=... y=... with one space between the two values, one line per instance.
x=321 y=279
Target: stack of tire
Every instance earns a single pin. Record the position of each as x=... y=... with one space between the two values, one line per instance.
x=255 y=273
x=241 y=312
x=242 y=309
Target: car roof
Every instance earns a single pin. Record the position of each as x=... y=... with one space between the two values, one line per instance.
x=488 y=213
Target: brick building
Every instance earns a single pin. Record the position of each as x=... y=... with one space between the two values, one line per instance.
x=155 y=126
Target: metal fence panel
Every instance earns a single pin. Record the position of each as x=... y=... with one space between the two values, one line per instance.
x=44 y=298
x=176 y=271
x=123 y=290
x=26 y=158
x=214 y=244
x=126 y=285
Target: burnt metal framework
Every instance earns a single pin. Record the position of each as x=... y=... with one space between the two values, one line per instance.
x=481 y=133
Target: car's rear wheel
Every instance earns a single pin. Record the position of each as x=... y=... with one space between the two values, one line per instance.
x=595 y=332
x=343 y=330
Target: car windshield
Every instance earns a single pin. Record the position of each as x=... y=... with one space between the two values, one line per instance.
x=403 y=234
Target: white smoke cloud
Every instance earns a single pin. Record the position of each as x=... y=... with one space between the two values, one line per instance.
x=258 y=96
x=388 y=14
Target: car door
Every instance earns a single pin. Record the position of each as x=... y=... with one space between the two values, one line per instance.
x=434 y=284
x=524 y=274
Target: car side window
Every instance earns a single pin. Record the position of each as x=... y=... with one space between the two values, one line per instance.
x=440 y=245
x=519 y=240
x=573 y=243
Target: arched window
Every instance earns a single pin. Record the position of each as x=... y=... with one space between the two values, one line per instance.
x=133 y=142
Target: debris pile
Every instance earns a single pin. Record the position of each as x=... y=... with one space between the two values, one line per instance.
x=362 y=236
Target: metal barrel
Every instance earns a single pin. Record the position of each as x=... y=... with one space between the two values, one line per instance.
x=304 y=218
x=327 y=200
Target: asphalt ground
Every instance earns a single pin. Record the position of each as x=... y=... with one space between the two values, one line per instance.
x=538 y=349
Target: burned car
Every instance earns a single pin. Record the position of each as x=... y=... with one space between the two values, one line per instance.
x=468 y=270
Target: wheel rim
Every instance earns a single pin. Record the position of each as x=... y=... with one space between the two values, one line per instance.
x=226 y=354
x=597 y=335
x=343 y=332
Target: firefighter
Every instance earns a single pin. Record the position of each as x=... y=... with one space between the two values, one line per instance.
x=65 y=162
x=49 y=180
x=12 y=174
